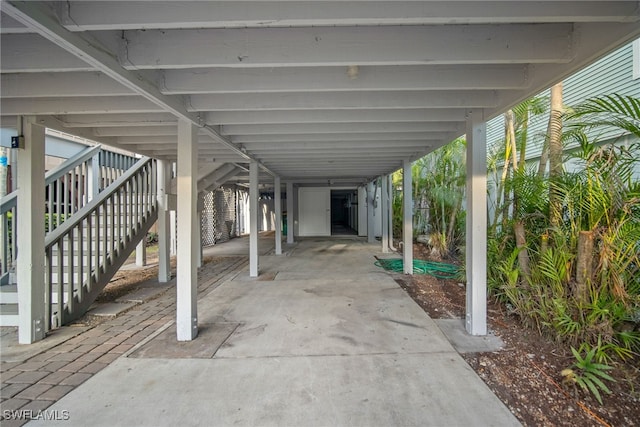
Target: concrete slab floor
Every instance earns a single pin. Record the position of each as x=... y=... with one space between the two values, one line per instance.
x=331 y=340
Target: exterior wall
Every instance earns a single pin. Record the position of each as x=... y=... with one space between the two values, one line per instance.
x=612 y=74
x=618 y=72
x=362 y=214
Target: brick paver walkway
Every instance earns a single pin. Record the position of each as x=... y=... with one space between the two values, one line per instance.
x=35 y=384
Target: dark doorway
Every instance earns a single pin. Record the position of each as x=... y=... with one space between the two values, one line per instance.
x=344 y=212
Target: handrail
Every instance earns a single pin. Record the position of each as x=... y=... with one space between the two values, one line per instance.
x=10 y=200
x=83 y=253
x=87 y=209
x=68 y=187
x=70 y=163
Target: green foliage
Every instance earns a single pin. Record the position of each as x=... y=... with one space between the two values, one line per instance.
x=590 y=375
x=56 y=219
x=438 y=184
x=602 y=198
x=618 y=111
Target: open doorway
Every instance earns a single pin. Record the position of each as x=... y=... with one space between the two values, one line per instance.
x=344 y=212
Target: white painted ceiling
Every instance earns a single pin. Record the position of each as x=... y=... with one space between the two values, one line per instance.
x=313 y=90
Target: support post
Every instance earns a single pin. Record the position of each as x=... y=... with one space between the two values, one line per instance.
x=476 y=240
x=187 y=273
x=371 y=238
x=384 y=201
x=407 y=217
x=278 y=209
x=199 y=252
x=164 y=259
x=93 y=177
x=289 y=212
x=141 y=253
x=253 y=219
x=390 y=212
x=174 y=232
x=30 y=234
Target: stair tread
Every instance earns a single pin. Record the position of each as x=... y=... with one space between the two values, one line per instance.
x=9 y=309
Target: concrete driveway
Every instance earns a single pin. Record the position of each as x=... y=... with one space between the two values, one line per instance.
x=321 y=338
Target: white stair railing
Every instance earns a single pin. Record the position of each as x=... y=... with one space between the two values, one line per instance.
x=83 y=253
x=68 y=188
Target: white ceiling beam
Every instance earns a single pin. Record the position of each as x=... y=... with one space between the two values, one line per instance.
x=344 y=168
x=83 y=16
x=78 y=105
x=140 y=131
x=339 y=128
x=335 y=116
x=40 y=85
x=355 y=155
x=202 y=157
x=403 y=136
x=118 y=120
x=322 y=79
x=39 y=17
x=344 y=100
x=395 y=45
x=53 y=123
x=8 y=25
x=202 y=148
x=160 y=139
x=336 y=145
x=28 y=53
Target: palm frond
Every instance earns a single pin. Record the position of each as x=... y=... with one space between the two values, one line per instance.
x=619 y=111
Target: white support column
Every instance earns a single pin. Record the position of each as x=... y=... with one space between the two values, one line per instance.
x=476 y=241
x=30 y=234
x=93 y=177
x=253 y=219
x=187 y=274
x=384 y=201
x=278 y=209
x=141 y=253
x=371 y=238
x=389 y=212
x=407 y=217
x=173 y=246
x=164 y=259
x=199 y=252
x=289 y=212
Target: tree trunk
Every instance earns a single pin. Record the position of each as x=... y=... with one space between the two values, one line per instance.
x=521 y=244
x=511 y=132
x=512 y=143
x=524 y=131
x=584 y=265
x=544 y=154
x=555 y=154
x=500 y=193
x=452 y=220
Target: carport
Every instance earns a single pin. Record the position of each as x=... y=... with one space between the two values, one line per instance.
x=294 y=94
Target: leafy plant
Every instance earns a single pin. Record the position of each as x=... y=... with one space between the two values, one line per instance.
x=588 y=374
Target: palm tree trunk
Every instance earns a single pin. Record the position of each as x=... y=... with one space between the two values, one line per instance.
x=584 y=265
x=500 y=196
x=511 y=141
x=555 y=154
x=521 y=244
